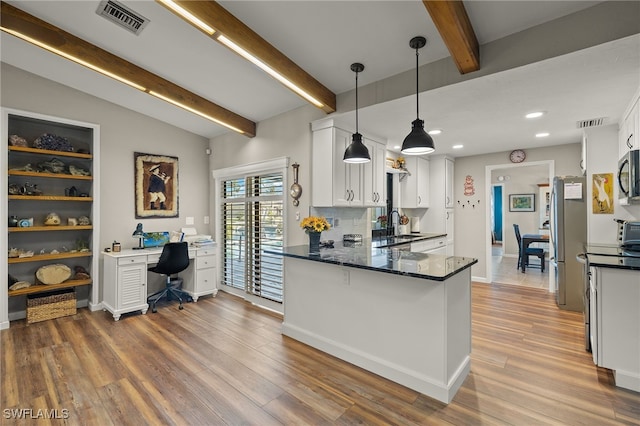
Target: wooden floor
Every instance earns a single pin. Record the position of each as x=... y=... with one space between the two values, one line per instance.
x=223 y=361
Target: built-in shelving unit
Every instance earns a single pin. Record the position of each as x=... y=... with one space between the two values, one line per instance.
x=44 y=181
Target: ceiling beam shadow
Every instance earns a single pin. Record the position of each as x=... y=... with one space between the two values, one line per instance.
x=451 y=19
x=40 y=33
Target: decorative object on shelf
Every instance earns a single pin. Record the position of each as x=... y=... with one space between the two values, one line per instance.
x=81 y=273
x=72 y=221
x=296 y=189
x=400 y=164
x=469 y=190
x=139 y=234
x=71 y=192
x=52 y=166
x=603 y=193
x=14 y=189
x=156 y=185
x=16 y=140
x=314 y=225
x=517 y=156
x=55 y=273
x=418 y=142
x=78 y=171
x=52 y=219
x=13 y=221
x=53 y=143
x=115 y=247
x=30 y=189
x=356 y=152
x=383 y=221
x=25 y=223
x=522 y=202
x=84 y=221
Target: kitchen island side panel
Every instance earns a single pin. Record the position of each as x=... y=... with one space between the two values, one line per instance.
x=407 y=329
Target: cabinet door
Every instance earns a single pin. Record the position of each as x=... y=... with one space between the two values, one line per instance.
x=422 y=187
x=448 y=183
x=132 y=285
x=374 y=175
x=347 y=179
x=449 y=229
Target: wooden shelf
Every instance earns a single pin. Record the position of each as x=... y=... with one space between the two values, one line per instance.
x=48 y=175
x=41 y=288
x=49 y=256
x=50 y=228
x=48 y=198
x=49 y=152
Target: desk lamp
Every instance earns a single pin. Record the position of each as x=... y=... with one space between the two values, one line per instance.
x=139 y=234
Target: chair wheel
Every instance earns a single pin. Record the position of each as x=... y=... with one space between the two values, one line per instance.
x=181 y=307
x=154 y=310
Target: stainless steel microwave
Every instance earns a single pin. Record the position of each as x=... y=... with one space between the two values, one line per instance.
x=629 y=178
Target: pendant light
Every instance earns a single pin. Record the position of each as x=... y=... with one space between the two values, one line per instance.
x=356 y=152
x=418 y=142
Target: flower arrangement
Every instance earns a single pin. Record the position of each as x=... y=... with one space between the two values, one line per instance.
x=315 y=224
x=383 y=220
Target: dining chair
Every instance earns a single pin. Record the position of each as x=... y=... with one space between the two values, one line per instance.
x=523 y=257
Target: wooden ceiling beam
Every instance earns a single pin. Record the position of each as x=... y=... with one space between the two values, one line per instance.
x=16 y=20
x=224 y=23
x=451 y=19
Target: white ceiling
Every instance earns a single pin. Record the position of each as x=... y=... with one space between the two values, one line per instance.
x=324 y=38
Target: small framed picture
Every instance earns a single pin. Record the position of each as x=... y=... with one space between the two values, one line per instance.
x=522 y=202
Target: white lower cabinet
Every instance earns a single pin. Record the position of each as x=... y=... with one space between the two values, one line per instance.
x=431 y=246
x=125 y=285
x=202 y=279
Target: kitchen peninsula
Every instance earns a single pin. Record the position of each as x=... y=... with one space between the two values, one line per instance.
x=405 y=316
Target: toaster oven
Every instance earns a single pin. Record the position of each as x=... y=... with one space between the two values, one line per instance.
x=629 y=178
x=631 y=235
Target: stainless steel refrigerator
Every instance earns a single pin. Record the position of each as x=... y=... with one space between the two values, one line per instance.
x=568 y=233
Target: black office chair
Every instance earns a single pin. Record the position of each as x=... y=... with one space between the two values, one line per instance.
x=523 y=258
x=174 y=259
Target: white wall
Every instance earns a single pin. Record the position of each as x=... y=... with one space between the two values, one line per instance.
x=471 y=224
x=602 y=157
x=286 y=135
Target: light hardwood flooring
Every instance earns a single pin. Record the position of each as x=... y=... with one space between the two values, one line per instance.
x=223 y=361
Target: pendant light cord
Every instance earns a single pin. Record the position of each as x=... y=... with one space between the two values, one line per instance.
x=356 y=102
x=417 y=87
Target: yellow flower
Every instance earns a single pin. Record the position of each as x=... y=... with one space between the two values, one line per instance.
x=314 y=224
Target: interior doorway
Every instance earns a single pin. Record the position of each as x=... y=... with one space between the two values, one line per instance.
x=497 y=219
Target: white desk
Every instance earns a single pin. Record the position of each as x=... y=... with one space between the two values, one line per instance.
x=125 y=277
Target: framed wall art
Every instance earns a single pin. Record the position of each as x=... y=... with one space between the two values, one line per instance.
x=156 y=185
x=522 y=202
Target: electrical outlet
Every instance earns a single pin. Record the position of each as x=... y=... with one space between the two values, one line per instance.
x=336 y=222
x=298 y=216
x=189 y=220
x=345 y=276
x=206 y=220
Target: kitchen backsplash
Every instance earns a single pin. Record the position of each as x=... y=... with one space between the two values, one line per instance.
x=344 y=221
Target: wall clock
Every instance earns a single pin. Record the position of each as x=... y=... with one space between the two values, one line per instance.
x=517 y=156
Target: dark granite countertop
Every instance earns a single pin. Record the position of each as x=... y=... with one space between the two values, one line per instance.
x=612 y=256
x=391 y=241
x=387 y=260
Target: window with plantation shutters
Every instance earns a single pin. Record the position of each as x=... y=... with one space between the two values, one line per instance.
x=253 y=221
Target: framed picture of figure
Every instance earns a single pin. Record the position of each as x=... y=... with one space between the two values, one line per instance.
x=156 y=185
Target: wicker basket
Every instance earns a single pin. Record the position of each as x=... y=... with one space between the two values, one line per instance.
x=42 y=307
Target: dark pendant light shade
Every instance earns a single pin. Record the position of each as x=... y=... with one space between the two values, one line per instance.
x=418 y=142
x=356 y=152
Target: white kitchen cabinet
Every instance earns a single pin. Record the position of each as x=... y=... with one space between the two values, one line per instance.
x=629 y=127
x=617 y=324
x=431 y=246
x=414 y=188
x=374 y=178
x=449 y=227
x=201 y=280
x=338 y=184
x=440 y=215
x=125 y=285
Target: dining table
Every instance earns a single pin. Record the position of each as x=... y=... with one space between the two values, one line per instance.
x=528 y=239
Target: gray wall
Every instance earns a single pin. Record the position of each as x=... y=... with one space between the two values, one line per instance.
x=123 y=132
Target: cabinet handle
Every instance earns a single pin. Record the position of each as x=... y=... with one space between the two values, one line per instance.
x=419 y=200
x=448 y=200
x=447 y=215
x=353 y=195
x=628 y=139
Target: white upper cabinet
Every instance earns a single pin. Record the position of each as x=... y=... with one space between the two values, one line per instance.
x=629 y=128
x=335 y=183
x=414 y=188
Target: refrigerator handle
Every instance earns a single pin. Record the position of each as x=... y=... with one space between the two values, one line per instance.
x=552 y=224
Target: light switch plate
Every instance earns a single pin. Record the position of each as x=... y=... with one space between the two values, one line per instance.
x=189 y=220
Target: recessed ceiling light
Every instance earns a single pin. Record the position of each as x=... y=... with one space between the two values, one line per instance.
x=535 y=114
x=457 y=146
x=434 y=132
x=542 y=135
x=396 y=147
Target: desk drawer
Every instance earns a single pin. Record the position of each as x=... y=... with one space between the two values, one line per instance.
x=130 y=260
x=205 y=252
x=152 y=259
x=205 y=262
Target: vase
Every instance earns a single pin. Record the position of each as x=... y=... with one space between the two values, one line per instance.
x=314 y=242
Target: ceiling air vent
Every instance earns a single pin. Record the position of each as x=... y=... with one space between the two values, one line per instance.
x=594 y=122
x=122 y=15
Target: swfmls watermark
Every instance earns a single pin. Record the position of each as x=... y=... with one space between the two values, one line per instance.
x=39 y=413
